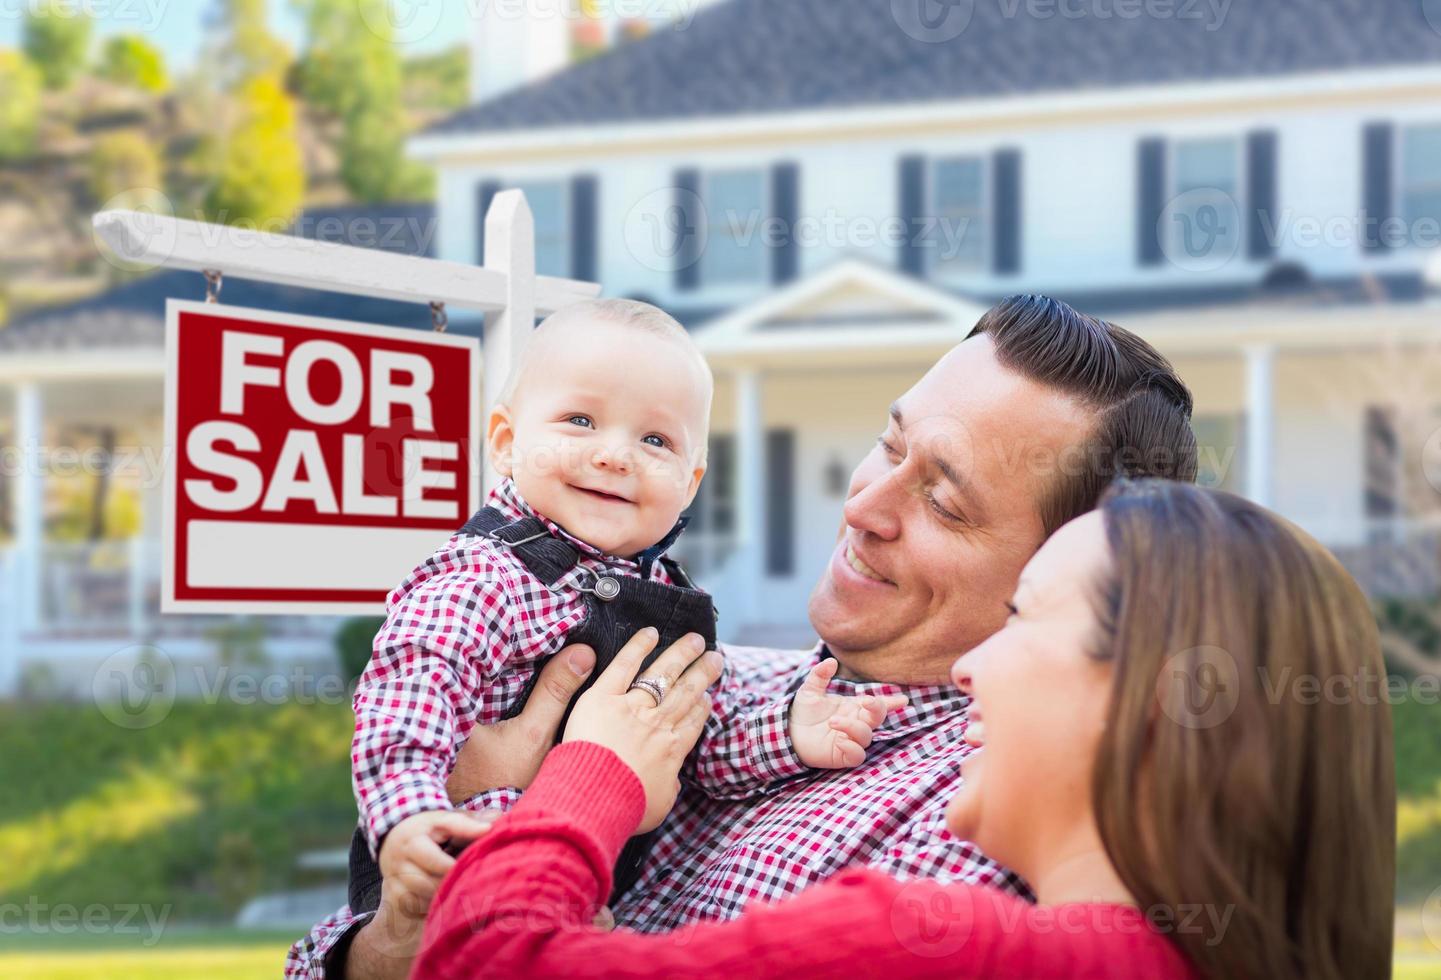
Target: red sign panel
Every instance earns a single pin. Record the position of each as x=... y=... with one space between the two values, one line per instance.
x=314 y=462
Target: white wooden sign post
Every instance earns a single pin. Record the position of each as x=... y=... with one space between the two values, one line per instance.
x=505 y=289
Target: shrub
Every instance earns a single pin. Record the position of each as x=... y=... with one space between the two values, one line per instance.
x=353 y=642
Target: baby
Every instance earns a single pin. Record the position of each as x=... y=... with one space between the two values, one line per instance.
x=600 y=435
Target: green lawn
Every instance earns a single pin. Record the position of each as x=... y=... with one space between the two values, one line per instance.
x=179 y=955
x=1418 y=788
x=187 y=819
x=1406 y=969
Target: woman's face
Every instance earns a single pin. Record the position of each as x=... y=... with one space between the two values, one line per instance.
x=1039 y=705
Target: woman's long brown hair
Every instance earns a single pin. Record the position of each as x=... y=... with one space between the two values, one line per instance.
x=1245 y=784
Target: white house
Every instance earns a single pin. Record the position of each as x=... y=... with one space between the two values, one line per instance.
x=830 y=192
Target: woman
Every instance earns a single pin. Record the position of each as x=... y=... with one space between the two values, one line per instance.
x=1152 y=765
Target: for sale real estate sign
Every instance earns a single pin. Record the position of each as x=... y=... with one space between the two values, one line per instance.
x=315 y=462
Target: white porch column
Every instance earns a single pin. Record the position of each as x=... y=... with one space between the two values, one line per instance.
x=1260 y=422
x=750 y=490
x=29 y=503
x=9 y=628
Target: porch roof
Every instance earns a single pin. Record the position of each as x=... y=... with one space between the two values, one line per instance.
x=857 y=313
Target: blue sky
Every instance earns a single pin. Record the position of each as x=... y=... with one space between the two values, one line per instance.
x=176 y=25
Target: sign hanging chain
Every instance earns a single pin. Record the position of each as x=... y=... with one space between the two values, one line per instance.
x=438 y=317
x=214 y=282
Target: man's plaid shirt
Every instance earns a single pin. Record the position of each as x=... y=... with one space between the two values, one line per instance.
x=716 y=854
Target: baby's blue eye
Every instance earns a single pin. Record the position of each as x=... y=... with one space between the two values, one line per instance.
x=580 y=420
x=657 y=441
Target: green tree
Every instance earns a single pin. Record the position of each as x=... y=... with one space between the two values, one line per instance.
x=439 y=80
x=20 y=106
x=373 y=164
x=131 y=60
x=351 y=70
x=345 y=62
x=249 y=50
x=260 y=173
x=57 y=39
x=123 y=161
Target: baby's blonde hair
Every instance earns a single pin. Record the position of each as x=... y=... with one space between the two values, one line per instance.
x=625 y=312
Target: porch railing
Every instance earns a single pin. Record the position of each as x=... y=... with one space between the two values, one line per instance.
x=1401 y=558
x=112 y=588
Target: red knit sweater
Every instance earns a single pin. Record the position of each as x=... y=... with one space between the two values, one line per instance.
x=520 y=901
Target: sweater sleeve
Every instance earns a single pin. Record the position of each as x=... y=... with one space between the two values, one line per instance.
x=520 y=902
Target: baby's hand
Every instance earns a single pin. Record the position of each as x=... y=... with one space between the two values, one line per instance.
x=413 y=856
x=830 y=731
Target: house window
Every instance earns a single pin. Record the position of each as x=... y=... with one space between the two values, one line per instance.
x=1219 y=457
x=736 y=207
x=961 y=231
x=1420 y=179
x=1207 y=221
x=549 y=205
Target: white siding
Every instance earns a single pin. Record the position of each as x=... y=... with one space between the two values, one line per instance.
x=1078 y=204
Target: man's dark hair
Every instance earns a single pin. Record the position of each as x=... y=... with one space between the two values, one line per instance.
x=1142 y=407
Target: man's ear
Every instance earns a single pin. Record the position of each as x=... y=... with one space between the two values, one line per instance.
x=500 y=440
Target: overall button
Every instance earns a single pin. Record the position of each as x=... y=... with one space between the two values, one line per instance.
x=607 y=588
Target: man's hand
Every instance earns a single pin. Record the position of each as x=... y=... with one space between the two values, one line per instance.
x=831 y=731
x=509 y=753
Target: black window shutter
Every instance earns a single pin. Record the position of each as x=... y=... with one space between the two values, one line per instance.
x=912 y=208
x=1006 y=212
x=714 y=500
x=1381 y=464
x=688 y=226
x=780 y=502
x=720 y=474
x=1261 y=214
x=484 y=193
x=785 y=209
x=583 y=204
x=1376 y=193
x=1150 y=200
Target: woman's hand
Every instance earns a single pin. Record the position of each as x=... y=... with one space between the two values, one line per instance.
x=509 y=752
x=653 y=739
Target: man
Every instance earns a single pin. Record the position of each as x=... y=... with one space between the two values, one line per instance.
x=1011 y=434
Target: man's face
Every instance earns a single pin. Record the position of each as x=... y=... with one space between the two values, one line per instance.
x=941 y=516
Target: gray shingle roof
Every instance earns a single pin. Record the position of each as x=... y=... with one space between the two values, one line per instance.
x=757 y=56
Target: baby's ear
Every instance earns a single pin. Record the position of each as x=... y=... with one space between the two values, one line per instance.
x=696 y=476
x=500 y=440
